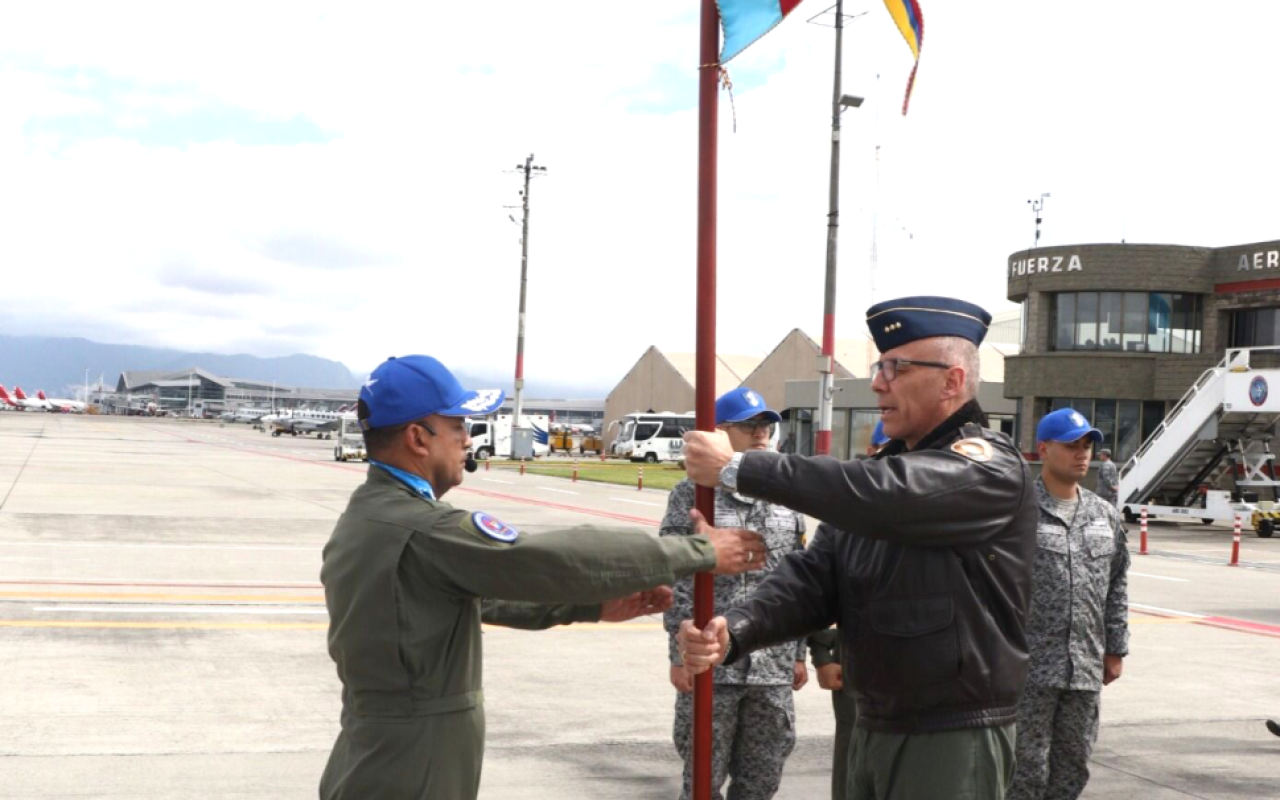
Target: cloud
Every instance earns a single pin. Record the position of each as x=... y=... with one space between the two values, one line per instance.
x=198 y=278
x=333 y=179
x=309 y=250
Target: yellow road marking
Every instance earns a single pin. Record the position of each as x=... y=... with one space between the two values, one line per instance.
x=241 y=598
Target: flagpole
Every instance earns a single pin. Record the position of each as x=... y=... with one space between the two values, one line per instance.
x=705 y=369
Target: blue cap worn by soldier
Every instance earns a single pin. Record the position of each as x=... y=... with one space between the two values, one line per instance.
x=1066 y=425
x=407 y=388
x=742 y=404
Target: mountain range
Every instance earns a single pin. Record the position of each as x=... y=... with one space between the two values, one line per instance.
x=58 y=365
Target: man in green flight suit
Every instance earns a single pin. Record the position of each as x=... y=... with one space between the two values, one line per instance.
x=408 y=579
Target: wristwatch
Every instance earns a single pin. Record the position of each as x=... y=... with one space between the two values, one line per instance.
x=729 y=473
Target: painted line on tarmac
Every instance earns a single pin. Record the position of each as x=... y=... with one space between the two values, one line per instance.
x=559 y=491
x=194 y=584
x=1213 y=621
x=280 y=626
x=147 y=546
x=229 y=598
x=495 y=480
x=637 y=502
x=1159 y=577
x=150 y=609
x=576 y=509
x=345 y=468
x=147 y=625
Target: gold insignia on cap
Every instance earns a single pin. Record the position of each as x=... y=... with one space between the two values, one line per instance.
x=974 y=449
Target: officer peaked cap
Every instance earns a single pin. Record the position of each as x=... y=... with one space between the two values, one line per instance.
x=894 y=323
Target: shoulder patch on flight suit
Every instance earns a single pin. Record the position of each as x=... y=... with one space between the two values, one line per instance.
x=493 y=527
x=974 y=449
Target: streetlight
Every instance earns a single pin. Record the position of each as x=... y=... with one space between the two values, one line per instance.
x=529 y=169
x=826 y=362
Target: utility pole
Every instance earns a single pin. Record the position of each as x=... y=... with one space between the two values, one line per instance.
x=826 y=362
x=528 y=168
x=1037 y=206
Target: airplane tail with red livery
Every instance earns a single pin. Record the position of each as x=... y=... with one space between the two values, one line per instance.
x=18 y=393
x=40 y=395
x=4 y=396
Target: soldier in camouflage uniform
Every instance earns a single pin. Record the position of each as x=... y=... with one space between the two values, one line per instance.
x=753 y=717
x=1078 y=630
x=1108 y=478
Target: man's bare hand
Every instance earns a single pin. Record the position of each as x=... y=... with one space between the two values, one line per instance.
x=1112 y=666
x=705 y=454
x=831 y=677
x=737 y=550
x=702 y=649
x=681 y=679
x=653 y=601
x=800 y=677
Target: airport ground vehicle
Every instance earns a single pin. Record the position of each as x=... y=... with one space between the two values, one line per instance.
x=1220 y=431
x=350 y=444
x=652 y=437
x=491 y=436
x=571 y=438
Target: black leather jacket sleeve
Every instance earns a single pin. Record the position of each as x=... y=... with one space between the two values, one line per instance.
x=931 y=498
x=798 y=597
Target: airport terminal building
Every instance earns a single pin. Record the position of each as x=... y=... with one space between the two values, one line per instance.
x=1120 y=331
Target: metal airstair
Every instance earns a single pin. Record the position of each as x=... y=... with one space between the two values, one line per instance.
x=1223 y=424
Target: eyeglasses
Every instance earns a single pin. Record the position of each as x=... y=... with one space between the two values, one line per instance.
x=752 y=426
x=461 y=430
x=892 y=367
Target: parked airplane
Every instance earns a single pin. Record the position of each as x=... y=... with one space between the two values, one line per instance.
x=302 y=421
x=21 y=402
x=59 y=404
x=245 y=415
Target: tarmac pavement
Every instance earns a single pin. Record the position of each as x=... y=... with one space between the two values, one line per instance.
x=162 y=635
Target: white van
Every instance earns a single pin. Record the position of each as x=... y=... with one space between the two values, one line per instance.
x=653 y=437
x=491 y=436
x=350 y=444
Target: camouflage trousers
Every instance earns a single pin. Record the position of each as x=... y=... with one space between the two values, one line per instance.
x=1056 y=732
x=753 y=730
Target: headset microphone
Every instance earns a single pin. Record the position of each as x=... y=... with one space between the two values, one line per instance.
x=471 y=465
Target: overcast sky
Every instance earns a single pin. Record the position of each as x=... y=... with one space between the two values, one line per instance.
x=332 y=179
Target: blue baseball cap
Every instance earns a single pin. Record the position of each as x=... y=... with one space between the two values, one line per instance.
x=1066 y=425
x=743 y=404
x=412 y=387
x=894 y=323
x=878 y=437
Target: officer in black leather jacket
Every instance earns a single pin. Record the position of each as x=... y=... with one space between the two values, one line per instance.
x=925 y=564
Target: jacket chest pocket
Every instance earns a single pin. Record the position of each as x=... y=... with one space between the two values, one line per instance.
x=1100 y=540
x=728 y=519
x=1052 y=539
x=910 y=642
x=780 y=534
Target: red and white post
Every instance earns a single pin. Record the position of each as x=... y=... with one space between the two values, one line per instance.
x=1143 y=550
x=575 y=470
x=1235 y=543
x=640 y=479
x=521 y=466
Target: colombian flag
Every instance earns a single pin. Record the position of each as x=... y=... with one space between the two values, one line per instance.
x=906 y=14
x=744 y=21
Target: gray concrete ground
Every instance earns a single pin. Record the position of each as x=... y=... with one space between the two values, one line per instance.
x=162 y=636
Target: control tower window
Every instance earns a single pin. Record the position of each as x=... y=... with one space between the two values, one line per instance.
x=1135 y=322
